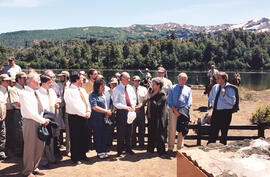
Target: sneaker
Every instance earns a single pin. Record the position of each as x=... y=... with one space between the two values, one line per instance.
x=106 y=155
x=3 y=156
x=101 y=155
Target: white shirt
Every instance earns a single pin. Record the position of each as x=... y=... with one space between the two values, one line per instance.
x=142 y=94
x=14 y=94
x=212 y=73
x=167 y=85
x=74 y=102
x=5 y=94
x=29 y=105
x=119 y=98
x=44 y=97
x=12 y=71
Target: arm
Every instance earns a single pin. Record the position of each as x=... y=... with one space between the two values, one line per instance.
x=4 y=112
x=116 y=102
x=230 y=95
x=212 y=96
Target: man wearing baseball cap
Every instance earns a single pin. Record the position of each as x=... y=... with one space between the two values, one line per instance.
x=12 y=69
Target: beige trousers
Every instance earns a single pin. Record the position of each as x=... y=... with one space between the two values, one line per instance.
x=33 y=146
x=172 y=132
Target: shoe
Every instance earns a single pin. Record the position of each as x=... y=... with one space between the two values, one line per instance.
x=77 y=162
x=38 y=172
x=101 y=155
x=119 y=154
x=3 y=156
x=30 y=175
x=130 y=152
x=106 y=155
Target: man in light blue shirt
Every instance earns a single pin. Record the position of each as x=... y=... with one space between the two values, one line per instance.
x=179 y=98
x=222 y=99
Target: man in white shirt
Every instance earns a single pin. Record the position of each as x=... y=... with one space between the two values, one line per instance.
x=124 y=99
x=17 y=117
x=212 y=72
x=167 y=83
x=141 y=98
x=12 y=69
x=31 y=111
x=78 y=110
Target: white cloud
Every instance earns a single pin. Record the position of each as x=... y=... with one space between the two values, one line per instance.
x=19 y=3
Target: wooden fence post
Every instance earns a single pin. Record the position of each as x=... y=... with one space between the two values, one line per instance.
x=199 y=138
x=261 y=128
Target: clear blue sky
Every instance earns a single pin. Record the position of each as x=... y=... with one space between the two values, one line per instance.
x=18 y=15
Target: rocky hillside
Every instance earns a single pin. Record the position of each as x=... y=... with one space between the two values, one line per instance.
x=25 y=38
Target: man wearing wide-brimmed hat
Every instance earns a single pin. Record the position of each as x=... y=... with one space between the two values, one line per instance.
x=17 y=117
x=12 y=69
x=4 y=127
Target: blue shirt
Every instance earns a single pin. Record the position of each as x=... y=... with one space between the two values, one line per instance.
x=185 y=99
x=224 y=102
x=97 y=100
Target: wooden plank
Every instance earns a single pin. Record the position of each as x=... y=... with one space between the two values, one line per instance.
x=186 y=168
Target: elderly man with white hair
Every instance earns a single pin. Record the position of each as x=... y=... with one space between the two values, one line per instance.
x=179 y=101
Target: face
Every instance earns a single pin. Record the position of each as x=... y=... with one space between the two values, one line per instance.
x=136 y=83
x=11 y=62
x=48 y=84
x=36 y=82
x=5 y=83
x=101 y=89
x=220 y=81
x=160 y=74
x=155 y=87
x=21 y=80
x=52 y=75
x=112 y=85
x=80 y=81
x=182 y=80
x=125 y=80
x=94 y=75
x=62 y=78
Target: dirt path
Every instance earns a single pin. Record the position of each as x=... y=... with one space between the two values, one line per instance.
x=141 y=164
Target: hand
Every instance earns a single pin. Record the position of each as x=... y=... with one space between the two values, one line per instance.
x=130 y=109
x=47 y=121
x=109 y=113
x=57 y=105
x=18 y=104
x=223 y=91
x=88 y=114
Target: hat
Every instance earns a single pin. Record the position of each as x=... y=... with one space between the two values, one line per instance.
x=12 y=79
x=64 y=73
x=161 y=70
x=5 y=77
x=146 y=69
x=136 y=77
x=82 y=72
x=131 y=117
x=117 y=74
x=114 y=81
x=11 y=59
x=21 y=74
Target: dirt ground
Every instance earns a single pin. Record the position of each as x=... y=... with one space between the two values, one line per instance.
x=142 y=164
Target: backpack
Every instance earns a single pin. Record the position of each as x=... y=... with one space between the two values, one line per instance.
x=235 y=107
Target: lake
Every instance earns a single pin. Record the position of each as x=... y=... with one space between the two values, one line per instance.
x=250 y=80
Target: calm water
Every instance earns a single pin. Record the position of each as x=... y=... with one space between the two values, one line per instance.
x=251 y=80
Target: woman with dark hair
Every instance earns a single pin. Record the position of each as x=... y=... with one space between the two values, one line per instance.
x=100 y=110
x=157 y=118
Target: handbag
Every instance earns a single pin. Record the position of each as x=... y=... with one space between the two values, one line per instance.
x=107 y=121
x=43 y=133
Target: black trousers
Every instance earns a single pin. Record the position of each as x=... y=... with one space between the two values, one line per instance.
x=78 y=137
x=140 y=123
x=123 y=131
x=10 y=137
x=17 y=129
x=155 y=139
x=220 y=120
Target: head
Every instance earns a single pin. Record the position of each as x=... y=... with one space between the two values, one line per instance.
x=64 y=76
x=117 y=76
x=99 y=77
x=92 y=73
x=76 y=79
x=113 y=83
x=222 y=77
x=21 y=78
x=46 y=81
x=5 y=80
x=99 y=86
x=12 y=81
x=125 y=78
x=50 y=73
x=161 y=72
x=136 y=81
x=11 y=61
x=157 y=84
x=182 y=79
x=213 y=67
x=33 y=80
x=30 y=70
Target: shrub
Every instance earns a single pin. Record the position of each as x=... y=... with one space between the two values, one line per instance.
x=262 y=113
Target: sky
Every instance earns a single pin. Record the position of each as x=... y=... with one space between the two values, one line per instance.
x=16 y=15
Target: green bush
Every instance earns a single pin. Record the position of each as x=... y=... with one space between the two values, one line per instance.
x=263 y=112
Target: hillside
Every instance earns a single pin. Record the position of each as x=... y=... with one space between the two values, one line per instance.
x=25 y=38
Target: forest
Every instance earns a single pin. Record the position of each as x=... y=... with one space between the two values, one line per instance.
x=229 y=50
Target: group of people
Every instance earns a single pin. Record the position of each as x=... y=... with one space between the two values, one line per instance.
x=83 y=107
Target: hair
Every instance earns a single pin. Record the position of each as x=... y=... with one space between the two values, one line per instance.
x=183 y=75
x=91 y=71
x=47 y=72
x=158 y=81
x=75 y=75
x=123 y=74
x=224 y=76
x=97 y=84
x=31 y=76
x=44 y=78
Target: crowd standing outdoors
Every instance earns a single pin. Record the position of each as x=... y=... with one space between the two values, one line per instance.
x=84 y=107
